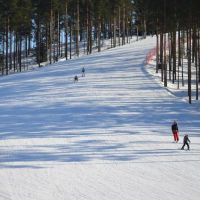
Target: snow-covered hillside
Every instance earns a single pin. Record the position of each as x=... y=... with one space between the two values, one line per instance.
x=106 y=137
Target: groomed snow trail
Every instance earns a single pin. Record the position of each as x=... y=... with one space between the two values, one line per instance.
x=106 y=137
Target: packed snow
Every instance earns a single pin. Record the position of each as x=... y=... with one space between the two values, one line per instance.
x=106 y=137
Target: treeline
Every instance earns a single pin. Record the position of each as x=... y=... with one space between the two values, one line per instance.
x=46 y=22
x=177 y=27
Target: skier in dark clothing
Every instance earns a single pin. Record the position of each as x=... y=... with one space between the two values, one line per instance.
x=175 y=131
x=83 y=72
x=75 y=79
x=186 y=141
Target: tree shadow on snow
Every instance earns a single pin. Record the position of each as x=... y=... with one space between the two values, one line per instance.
x=92 y=119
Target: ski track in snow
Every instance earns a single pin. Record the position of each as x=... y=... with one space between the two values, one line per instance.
x=106 y=137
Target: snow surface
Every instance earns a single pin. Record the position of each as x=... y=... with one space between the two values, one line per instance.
x=106 y=137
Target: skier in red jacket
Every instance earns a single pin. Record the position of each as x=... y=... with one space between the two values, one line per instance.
x=175 y=131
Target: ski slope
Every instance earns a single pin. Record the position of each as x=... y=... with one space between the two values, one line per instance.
x=106 y=137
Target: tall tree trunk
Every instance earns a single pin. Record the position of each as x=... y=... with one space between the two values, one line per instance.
x=77 y=29
x=145 y=27
x=111 y=32
x=11 y=52
x=198 y=55
x=70 y=44
x=174 y=56
x=50 y=34
x=157 y=51
x=16 y=52
x=127 y=30
x=87 y=26
x=90 y=34
x=47 y=41
x=38 y=42
x=189 y=66
x=99 y=34
x=58 y=37
x=20 y=52
x=165 y=61
x=182 y=54
x=170 y=56
x=119 y=26
x=196 y=59
x=66 y=29
x=124 y=24
x=29 y=44
x=114 y=29
x=179 y=56
x=3 y=56
x=54 y=37
x=161 y=54
x=7 y=43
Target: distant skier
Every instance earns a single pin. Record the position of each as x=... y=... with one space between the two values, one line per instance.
x=75 y=79
x=186 y=141
x=175 y=131
x=83 y=72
